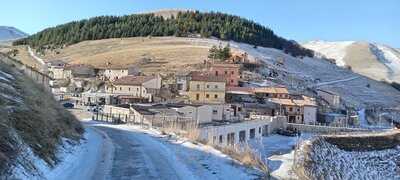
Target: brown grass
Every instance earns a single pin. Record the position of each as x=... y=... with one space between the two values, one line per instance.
x=165 y=53
x=247 y=156
x=40 y=122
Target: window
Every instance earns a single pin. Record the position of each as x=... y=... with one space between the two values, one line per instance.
x=115 y=88
x=226 y=72
x=242 y=136
x=216 y=86
x=232 y=73
x=221 y=139
x=197 y=97
x=137 y=89
x=207 y=96
x=252 y=133
x=215 y=111
x=129 y=89
x=231 y=80
x=198 y=86
x=122 y=70
x=231 y=139
x=298 y=109
x=216 y=96
x=214 y=139
x=259 y=130
x=290 y=109
x=216 y=73
x=120 y=88
x=208 y=86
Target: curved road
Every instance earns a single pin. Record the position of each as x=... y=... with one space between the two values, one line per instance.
x=139 y=156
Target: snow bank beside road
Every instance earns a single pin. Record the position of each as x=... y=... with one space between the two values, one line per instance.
x=77 y=161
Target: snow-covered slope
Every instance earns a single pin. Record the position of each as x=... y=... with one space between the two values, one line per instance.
x=10 y=33
x=374 y=60
x=332 y=50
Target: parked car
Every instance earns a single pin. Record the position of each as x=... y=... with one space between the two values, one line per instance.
x=68 y=105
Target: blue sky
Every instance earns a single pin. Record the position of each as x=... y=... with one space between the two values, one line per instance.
x=301 y=20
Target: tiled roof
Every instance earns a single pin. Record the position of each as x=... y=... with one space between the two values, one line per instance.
x=305 y=101
x=203 y=76
x=133 y=80
x=226 y=65
x=272 y=90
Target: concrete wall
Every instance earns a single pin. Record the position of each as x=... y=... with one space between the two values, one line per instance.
x=310 y=114
x=113 y=74
x=202 y=114
x=262 y=127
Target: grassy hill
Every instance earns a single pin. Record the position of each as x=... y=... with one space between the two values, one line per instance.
x=219 y=25
x=165 y=54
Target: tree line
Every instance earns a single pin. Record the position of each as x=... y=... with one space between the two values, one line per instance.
x=213 y=24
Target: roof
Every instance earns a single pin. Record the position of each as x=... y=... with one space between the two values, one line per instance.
x=326 y=91
x=226 y=65
x=304 y=101
x=202 y=76
x=272 y=90
x=133 y=80
x=239 y=90
x=57 y=62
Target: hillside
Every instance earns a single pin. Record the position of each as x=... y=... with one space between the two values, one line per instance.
x=373 y=60
x=33 y=125
x=11 y=33
x=185 y=24
x=171 y=54
x=157 y=54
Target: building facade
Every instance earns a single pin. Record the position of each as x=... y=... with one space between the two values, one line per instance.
x=228 y=71
x=208 y=89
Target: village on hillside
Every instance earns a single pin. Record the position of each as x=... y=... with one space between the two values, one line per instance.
x=223 y=99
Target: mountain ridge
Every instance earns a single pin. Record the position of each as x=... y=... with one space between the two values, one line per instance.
x=375 y=60
x=8 y=33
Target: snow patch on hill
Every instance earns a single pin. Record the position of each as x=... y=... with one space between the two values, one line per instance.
x=332 y=50
x=388 y=56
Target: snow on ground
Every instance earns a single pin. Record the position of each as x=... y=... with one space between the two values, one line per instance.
x=33 y=55
x=191 y=161
x=278 y=152
x=332 y=50
x=330 y=162
x=390 y=57
x=77 y=161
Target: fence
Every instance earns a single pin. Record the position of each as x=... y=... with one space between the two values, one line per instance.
x=322 y=129
x=34 y=74
x=148 y=121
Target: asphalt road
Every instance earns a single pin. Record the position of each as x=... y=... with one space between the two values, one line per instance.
x=137 y=156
